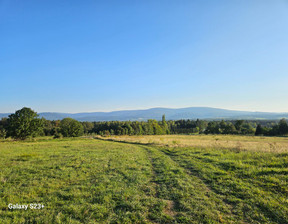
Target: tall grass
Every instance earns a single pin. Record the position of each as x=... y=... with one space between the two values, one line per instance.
x=249 y=143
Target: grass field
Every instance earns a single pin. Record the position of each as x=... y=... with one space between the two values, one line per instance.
x=96 y=181
x=243 y=143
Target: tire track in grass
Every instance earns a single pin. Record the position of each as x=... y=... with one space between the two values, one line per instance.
x=242 y=172
x=188 y=200
x=187 y=197
x=252 y=202
x=158 y=209
x=270 y=205
x=169 y=208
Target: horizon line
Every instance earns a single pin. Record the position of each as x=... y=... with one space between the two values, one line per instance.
x=117 y=110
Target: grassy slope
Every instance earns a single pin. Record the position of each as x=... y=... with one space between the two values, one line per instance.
x=93 y=181
x=253 y=184
x=77 y=181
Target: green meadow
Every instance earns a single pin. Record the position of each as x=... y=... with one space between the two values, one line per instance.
x=87 y=180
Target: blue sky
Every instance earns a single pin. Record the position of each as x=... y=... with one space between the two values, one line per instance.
x=76 y=56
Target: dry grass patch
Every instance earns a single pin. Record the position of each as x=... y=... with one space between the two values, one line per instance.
x=240 y=143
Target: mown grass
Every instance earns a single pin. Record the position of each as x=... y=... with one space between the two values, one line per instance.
x=96 y=181
x=253 y=184
x=78 y=181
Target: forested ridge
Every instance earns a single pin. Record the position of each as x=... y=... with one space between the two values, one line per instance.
x=26 y=123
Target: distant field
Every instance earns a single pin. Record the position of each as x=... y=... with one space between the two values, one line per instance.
x=96 y=181
x=250 y=143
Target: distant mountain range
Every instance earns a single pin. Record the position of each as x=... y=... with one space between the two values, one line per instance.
x=171 y=114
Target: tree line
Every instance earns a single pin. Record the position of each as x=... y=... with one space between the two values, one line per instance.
x=26 y=123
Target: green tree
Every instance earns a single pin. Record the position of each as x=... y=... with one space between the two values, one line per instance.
x=3 y=127
x=24 y=123
x=222 y=127
x=259 y=130
x=229 y=129
x=88 y=126
x=71 y=128
x=164 y=125
x=283 y=127
x=212 y=128
x=274 y=130
x=247 y=129
x=201 y=125
x=129 y=129
x=238 y=125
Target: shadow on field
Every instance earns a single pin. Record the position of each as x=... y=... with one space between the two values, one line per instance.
x=235 y=149
x=126 y=142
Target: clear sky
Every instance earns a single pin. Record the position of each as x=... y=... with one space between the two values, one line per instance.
x=83 y=56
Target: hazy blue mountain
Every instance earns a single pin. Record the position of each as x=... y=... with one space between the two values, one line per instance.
x=4 y=115
x=171 y=114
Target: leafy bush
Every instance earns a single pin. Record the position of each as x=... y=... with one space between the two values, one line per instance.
x=71 y=128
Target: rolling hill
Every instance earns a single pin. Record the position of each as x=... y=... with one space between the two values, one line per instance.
x=156 y=113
